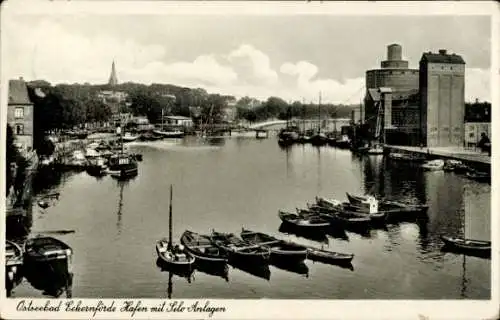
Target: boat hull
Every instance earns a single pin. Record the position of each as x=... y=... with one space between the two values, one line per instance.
x=203 y=256
x=171 y=261
x=458 y=244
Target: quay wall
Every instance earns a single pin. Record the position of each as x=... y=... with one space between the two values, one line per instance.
x=479 y=161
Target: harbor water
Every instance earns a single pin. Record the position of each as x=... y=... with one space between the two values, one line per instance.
x=229 y=183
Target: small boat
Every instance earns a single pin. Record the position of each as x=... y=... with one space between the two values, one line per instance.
x=406 y=157
x=97 y=167
x=376 y=150
x=387 y=205
x=173 y=256
x=13 y=265
x=479 y=176
x=467 y=245
x=123 y=166
x=202 y=248
x=308 y=223
x=455 y=166
x=239 y=250
x=326 y=256
x=46 y=249
x=43 y=204
x=344 y=218
x=344 y=142
x=319 y=139
x=434 y=165
x=128 y=137
x=169 y=134
x=280 y=249
x=369 y=207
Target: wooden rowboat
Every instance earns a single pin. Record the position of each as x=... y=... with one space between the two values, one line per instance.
x=280 y=249
x=239 y=250
x=467 y=245
x=202 y=248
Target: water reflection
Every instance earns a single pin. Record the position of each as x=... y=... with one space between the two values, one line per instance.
x=187 y=274
x=287 y=229
x=52 y=278
x=259 y=271
x=298 y=268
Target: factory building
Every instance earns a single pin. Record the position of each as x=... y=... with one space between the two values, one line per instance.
x=442 y=95
x=414 y=107
x=392 y=93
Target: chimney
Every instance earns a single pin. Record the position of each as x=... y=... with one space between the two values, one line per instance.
x=442 y=51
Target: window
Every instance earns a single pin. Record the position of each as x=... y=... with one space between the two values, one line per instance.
x=19 y=129
x=19 y=113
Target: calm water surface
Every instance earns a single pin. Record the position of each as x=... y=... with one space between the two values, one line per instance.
x=237 y=182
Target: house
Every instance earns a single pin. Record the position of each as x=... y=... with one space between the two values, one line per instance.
x=20 y=114
x=178 y=121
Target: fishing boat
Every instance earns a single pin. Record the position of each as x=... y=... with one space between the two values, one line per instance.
x=326 y=256
x=387 y=205
x=280 y=249
x=479 y=176
x=341 y=217
x=122 y=165
x=173 y=256
x=169 y=134
x=369 y=207
x=344 y=142
x=319 y=139
x=306 y=223
x=97 y=167
x=13 y=265
x=128 y=137
x=433 y=165
x=202 y=248
x=238 y=249
x=467 y=245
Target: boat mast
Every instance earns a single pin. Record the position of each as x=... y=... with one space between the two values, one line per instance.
x=304 y=115
x=170 y=220
x=319 y=114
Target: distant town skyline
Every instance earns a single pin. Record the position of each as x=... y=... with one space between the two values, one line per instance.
x=293 y=57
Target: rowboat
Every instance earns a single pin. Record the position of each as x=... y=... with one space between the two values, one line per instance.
x=13 y=265
x=239 y=250
x=202 y=248
x=326 y=256
x=467 y=245
x=434 y=165
x=313 y=222
x=46 y=249
x=345 y=207
x=455 y=166
x=173 y=256
x=280 y=249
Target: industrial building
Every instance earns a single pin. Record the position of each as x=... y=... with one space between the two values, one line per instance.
x=392 y=93
x=442 y=99
x=416 y=107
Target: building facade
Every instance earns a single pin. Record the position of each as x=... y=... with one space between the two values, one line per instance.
x=392 y=93
x=20 y=114
x=442 y=96
x=179 y=121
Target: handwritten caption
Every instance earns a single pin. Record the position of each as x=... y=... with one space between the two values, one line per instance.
x=132 y=307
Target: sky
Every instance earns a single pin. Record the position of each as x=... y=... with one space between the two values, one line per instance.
x=291 y=56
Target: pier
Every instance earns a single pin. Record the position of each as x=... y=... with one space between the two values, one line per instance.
x=452 y=153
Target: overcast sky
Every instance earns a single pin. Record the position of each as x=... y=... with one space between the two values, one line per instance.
x=294 y=57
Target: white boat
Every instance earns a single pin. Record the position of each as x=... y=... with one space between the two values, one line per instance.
x=434 y=165
x=378 y=149
x=170 y=134
x=127 y=137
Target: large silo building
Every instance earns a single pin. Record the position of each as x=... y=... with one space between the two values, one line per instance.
x=392 y=94
x=442 y=95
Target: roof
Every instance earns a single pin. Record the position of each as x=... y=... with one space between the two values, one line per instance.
x=442 y=57
x=18 y=92
x=177 y=118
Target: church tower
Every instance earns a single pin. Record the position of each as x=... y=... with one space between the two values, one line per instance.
x=113 y=80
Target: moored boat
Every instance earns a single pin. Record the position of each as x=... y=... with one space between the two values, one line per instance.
x=46 y=249
x=326 y=256
x=202 y=248
x=407 y=157
x=13 y=265
x=455 y=166
x=169 y=134
x=173 y=256
x=467 y=245
x=479 y=176
x=239 y=250
x=433 y=165
x=280 y=249
x=128 y=137
x=390 y=207
x=123 y=165
x=306 y=223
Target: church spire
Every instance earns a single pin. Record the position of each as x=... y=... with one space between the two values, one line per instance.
x=113 y=80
